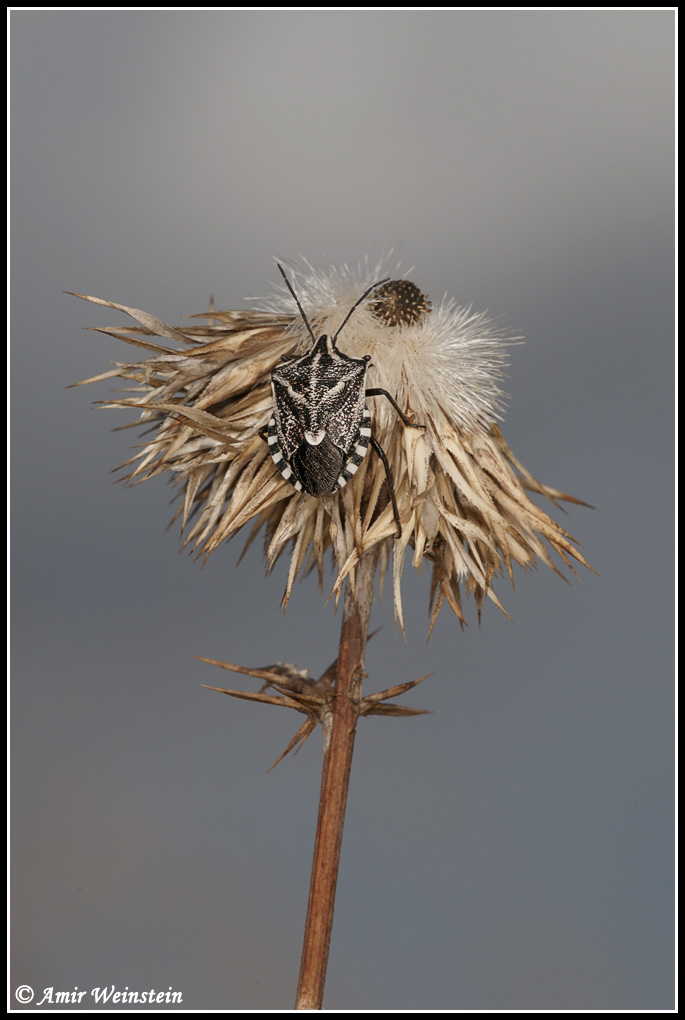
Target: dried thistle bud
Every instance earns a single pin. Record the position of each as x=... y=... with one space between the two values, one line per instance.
x=461 y=495
x=399 y=303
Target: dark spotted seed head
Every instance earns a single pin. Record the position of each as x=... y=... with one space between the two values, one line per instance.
x=399 y=303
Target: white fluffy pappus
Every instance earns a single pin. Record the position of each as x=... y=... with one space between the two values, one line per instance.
x=449 y=361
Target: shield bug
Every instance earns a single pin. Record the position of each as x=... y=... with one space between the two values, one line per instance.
x=320 y=428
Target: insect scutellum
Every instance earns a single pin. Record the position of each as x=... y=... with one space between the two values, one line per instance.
x=320 y=428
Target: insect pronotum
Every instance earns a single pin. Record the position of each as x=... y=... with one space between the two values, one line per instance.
x=320 y=429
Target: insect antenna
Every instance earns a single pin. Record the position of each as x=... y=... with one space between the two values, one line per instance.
x=297 y=301
x=357 y=303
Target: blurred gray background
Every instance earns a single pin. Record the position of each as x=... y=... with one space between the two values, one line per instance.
x=514 y=850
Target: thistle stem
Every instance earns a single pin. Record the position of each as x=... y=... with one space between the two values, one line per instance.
x=339 y=729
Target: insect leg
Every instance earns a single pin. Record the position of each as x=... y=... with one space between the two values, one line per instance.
x=395 y=512
x=377 y=392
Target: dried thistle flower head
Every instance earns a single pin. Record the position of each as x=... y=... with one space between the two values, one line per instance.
x=462 y=497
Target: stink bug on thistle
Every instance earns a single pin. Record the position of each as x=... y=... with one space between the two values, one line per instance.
x=320 y=429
